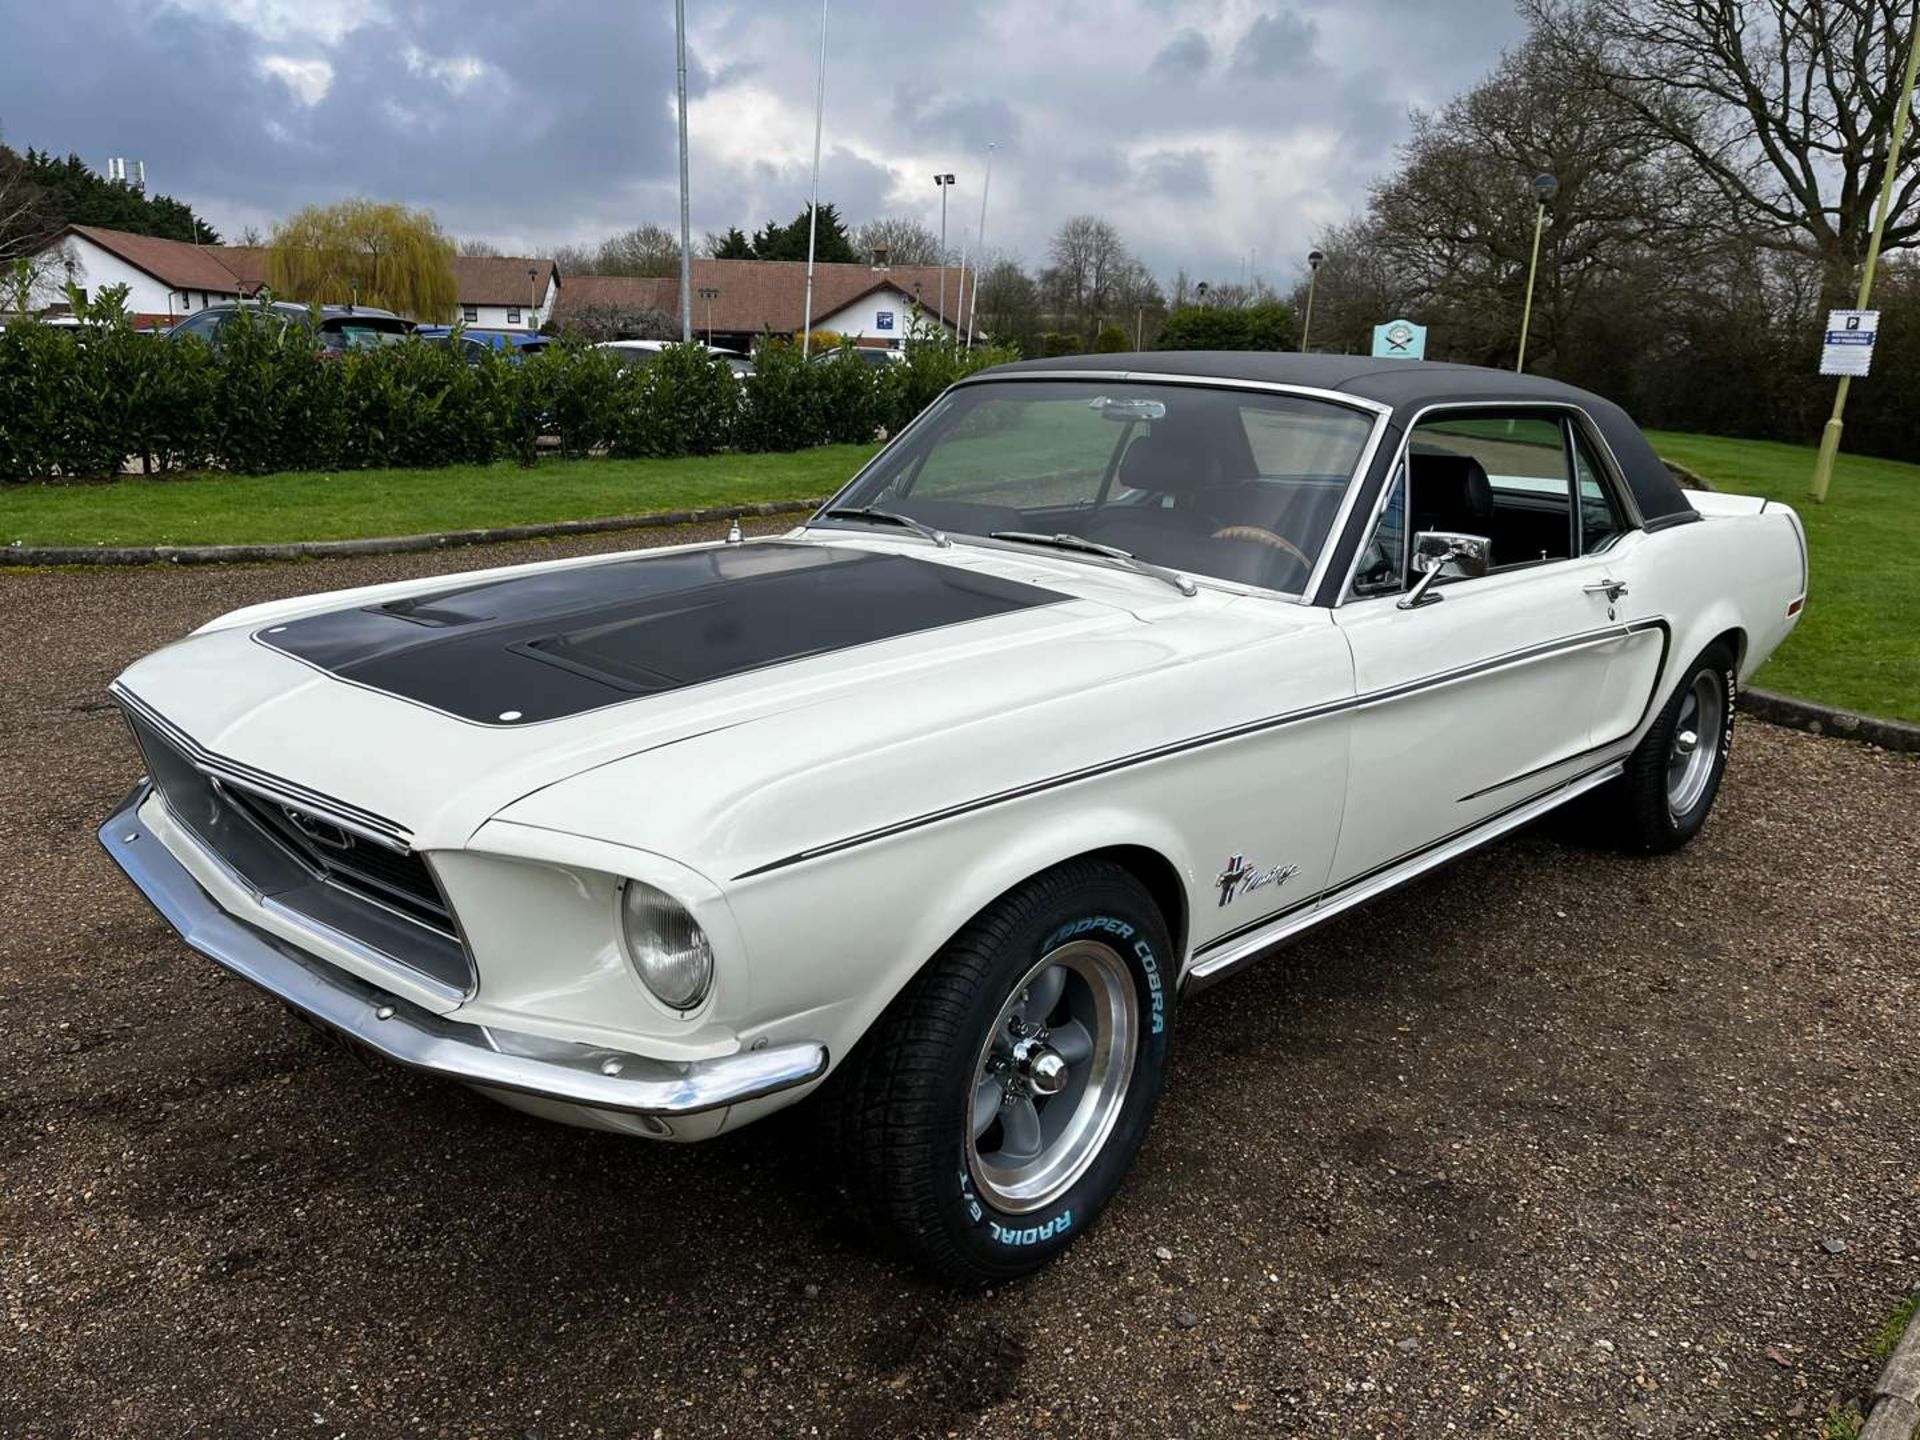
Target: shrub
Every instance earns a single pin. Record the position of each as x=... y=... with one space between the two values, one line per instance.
x=586 y=398
x=39 y=393
x=1110 y=341
x=782 y=400
x=685 y=402
x=277 y=404
x=1223 y=327
x=1055 y=342
x=932 y=366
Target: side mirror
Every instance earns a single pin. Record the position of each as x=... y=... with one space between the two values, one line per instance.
x=1445 y=552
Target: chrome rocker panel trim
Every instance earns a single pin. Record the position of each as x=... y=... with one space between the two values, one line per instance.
x=411 y=1036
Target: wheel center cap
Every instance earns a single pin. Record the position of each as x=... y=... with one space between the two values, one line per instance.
x=1685 y=742
x=1041 y=1066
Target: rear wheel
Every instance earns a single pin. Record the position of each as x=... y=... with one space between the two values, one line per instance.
x=996 y=1106
x=1674 y=774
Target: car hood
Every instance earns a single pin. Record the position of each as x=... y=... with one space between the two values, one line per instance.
x=774 y=654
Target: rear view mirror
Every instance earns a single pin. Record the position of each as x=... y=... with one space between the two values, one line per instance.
x=1445 y=552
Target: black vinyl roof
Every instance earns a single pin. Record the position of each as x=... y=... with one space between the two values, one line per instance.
x=1406 y=386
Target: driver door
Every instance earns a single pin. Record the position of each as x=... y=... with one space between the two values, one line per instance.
x=1485 y=695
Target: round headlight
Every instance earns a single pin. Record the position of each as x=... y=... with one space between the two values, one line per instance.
x=667 y=947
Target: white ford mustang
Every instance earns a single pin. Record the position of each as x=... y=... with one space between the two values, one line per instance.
x=1100 y=680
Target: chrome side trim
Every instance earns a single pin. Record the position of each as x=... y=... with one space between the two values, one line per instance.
x=1238 y=950
x=1525 y=656
x=417 y=1038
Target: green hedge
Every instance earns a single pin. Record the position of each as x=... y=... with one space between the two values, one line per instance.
x=82 y=402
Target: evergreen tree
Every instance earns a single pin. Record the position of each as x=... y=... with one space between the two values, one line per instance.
x=832 y=245
x=71 y=194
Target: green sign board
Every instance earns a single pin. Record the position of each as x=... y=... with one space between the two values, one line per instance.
x=1400 y=340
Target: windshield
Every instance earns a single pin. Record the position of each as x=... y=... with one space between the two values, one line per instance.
x=1237 y=484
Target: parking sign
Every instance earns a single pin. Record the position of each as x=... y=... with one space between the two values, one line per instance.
x=1847 y=348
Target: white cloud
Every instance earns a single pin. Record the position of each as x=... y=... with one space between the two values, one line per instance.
x=456 y=72
x=324 y=21
x=308 y=79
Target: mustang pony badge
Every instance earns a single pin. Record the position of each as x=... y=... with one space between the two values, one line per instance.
x=1239 y=878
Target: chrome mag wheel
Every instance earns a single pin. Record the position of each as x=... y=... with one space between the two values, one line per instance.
x=1052 y=1076
x=1696 y=742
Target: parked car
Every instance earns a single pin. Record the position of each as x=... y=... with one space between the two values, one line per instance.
x=870 y=355
x=634 y=353
x=340 y=327
x=473 y=344
x=1102 y=679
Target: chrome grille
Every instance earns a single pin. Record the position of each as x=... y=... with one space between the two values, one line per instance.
x=330 y=863
x=398 y=878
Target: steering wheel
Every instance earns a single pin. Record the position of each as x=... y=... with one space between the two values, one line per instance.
x=1260 y=535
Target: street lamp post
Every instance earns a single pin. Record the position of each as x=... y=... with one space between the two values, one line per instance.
x=1545 y=187
x=1830 y=437
x=943 y=181
x=813 y=202
x=1200 y=292
x=709 y=293
x=1314 y=257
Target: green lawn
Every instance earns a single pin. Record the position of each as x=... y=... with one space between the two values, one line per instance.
x=353 y=504
x=1858 y=645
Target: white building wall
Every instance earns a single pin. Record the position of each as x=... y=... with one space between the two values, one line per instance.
x=78 y=259
x=495 y=317
x=882 y=318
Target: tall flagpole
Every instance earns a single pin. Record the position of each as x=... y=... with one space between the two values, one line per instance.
x=813 y=202
x=981 y=240
x=960 y=300
x=686 y=221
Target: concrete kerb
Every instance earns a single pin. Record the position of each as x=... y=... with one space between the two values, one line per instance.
x=1895 y=1410
x=1830 y=720
x=48 y=555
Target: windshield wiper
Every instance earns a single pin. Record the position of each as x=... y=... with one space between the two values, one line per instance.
x=889 y=517
x=1110 y=552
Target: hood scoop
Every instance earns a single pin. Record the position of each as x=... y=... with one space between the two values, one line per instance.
x=562 y=642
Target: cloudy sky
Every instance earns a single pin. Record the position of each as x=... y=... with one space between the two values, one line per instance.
x=1210 y=133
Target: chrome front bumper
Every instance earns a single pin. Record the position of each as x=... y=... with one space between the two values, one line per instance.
x=405 y=1033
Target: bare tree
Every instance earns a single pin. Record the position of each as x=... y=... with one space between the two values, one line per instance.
x=1454 y=228
x=905 y=241
x=476 y=246
x=1089 y=260
x=644 y=250
x=1783 y=107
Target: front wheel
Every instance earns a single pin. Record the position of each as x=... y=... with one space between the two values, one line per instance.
x=996 y=1106
x=1674 y=773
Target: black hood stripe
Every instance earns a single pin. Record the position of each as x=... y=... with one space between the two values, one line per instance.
x=557 y=643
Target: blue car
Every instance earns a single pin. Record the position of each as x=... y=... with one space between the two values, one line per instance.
x=513 y=344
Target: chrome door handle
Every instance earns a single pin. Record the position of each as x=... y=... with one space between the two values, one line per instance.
x=1612 y=589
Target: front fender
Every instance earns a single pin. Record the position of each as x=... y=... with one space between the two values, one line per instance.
x=834 y=940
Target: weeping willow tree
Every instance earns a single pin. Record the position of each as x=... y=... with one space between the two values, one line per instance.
x=365 y=252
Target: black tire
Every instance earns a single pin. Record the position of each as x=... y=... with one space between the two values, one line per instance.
x=900 y=1110
x=1638 y=810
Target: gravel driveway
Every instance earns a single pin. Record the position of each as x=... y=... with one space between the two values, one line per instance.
x=1552 y=1143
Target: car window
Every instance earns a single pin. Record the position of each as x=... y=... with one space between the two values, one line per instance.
x=204 y=324
x=1045 y=452
x=1381 y=568
x=1601 y=522
x=1205 y=479
x=1505 y=477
